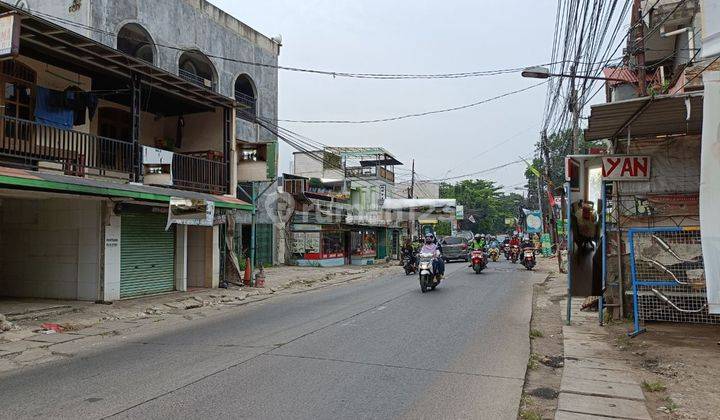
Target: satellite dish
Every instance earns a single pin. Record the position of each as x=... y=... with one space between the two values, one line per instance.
x=277 y=39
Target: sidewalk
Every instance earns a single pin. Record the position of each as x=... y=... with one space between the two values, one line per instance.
x=86 y=324
x=597 y=381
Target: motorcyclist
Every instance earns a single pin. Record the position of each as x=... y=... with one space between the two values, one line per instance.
x=527 y=243
x=409 y=250
x=515 y=240
x=431 y=246
x=479 y=243
x=494 y=242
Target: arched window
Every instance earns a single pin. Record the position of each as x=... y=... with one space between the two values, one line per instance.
x=195 y=67
x=246 y=97
x=134 y=40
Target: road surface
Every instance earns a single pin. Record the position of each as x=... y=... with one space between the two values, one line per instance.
x=374 y=348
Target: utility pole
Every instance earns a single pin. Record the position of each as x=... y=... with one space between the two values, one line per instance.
x=411 y=193
x=553 y=221
x=575 y=113
x=639 y=46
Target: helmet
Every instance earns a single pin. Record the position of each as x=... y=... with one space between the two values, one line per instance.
x=429 y=238
x=478 y=236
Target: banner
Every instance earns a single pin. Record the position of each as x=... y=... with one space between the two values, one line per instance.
x=459 y=212
x=534 y=221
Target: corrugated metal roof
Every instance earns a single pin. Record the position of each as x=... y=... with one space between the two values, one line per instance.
x=647 y=117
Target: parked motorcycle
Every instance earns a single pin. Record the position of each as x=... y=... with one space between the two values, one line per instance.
x=494 y=254
x=428 y=278
x=479 y=261
x=514 y=253
x=529 y=258
x=409 y=264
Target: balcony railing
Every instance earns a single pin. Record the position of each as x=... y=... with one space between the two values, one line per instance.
x=31 y=145
x=198 y=80
x=370 y=172
x=200 y=174
x=248 y=110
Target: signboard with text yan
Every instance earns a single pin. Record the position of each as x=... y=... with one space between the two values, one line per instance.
x=9 y=35
x=626 y=168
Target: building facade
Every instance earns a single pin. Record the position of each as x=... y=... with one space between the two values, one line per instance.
x=337 y=197
x=123 y=138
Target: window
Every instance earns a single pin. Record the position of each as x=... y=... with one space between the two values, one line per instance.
x=196 y=68
x=134 y=40
x=333 y=245
x=245 y=95
x=18 y=93
x=253 y=153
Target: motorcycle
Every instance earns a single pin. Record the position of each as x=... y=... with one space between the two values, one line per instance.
x=514 y=253
x=409 y=264
x=528 y=258
x=478 y=261
x=494 y=254
x=428 y=278
x=506 y=251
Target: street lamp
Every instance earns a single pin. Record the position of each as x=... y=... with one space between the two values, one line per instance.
x=539 y=72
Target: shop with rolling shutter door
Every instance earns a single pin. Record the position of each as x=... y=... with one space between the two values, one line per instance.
x=147 y=254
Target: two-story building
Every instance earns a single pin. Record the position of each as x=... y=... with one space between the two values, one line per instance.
x=113 y=111
x=338 y=195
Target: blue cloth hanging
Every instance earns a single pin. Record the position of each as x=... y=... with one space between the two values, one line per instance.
x=46 y=112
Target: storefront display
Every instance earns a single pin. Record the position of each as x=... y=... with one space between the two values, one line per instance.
x=315 y=247
x=364 y=247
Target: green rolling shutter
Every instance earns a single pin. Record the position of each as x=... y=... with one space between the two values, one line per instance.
x=147 y=255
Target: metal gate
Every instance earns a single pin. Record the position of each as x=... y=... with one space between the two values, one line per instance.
x=147 y=255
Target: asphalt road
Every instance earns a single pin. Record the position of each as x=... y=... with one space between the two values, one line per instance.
x=375 y=348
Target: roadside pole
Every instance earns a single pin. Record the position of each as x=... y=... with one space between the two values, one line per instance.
x=253 y=222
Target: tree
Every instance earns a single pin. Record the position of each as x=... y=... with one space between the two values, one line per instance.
x=484 y=201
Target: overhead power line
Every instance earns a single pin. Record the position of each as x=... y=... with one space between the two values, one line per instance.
x=415 y=115
x=334 y=74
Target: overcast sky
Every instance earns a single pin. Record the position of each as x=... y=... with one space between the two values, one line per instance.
x=412 y=36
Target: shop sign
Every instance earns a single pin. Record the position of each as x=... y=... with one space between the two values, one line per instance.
x=191 y=212
x=9 y=35
x=306 y=227
x=626 y=168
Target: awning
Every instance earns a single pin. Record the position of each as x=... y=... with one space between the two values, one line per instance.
x=40 y=181
x=647 y=117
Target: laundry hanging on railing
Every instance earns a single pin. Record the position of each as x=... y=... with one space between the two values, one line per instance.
x=48 y=111
x=65 y=109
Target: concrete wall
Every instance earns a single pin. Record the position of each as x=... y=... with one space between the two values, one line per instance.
x=252 y=171
x=50 y=248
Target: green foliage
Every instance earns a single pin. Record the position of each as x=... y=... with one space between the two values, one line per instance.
x=655 y=386
x=485 y=202
x=443 y=228
x=535 y=333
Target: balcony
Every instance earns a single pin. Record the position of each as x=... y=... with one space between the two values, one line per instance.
x=195 y=79
x=248 y=106
x=29 y=145
x=369 y=172
x=202 y=172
